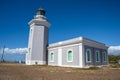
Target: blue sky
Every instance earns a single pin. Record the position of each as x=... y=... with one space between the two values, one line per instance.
x=95 y=19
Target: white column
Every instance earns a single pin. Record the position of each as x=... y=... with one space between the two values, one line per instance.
x=81 y=55
x=59 y=56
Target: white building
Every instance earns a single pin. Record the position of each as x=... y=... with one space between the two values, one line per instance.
x=78 y=52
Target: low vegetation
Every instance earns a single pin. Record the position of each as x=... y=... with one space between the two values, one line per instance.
x=113 y=59
x=115 y=65
x=94 y=68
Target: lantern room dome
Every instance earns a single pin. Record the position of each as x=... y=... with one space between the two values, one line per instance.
x=40 y=11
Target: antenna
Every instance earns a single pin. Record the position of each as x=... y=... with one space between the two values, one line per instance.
x=2 y=58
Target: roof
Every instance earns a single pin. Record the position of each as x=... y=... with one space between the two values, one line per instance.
x=83 y=40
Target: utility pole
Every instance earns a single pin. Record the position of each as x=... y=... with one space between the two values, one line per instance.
x=2 y=58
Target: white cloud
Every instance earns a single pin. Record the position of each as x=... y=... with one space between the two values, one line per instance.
x=114 y=50
x=14 y=51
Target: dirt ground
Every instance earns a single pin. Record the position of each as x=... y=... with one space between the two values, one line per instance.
x=11 y=71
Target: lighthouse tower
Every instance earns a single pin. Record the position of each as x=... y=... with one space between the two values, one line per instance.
x=38 y=39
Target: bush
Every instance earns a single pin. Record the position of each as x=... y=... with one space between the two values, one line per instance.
x=115 y=66
x=94 y=68
x=113 y=59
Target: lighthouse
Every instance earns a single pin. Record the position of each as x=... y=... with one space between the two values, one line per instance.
x=38 y=39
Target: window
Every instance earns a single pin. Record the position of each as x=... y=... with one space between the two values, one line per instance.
x=31 y=32
x=104 y=56
x=70 y=56
x=97 y=56
x=52 y=57
x=88 y=55
x=29 y=50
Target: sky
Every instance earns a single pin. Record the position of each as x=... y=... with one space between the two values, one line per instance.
x=98 y=20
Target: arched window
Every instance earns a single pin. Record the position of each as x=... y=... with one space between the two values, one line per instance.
x=97 y=56
x=88 y=55
x=70 y=56
x=52 y=56
x=104 y=56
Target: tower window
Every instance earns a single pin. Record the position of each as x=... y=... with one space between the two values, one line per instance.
x=30 y=31
x=88 y=55
x=52 y=57
x=70 y=56
x=29 y=50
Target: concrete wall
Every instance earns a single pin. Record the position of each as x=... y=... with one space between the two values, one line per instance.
x=60 y=56
x=55 y=52
x=79 y=56
x=75 y=61
x=38 y=42
x=93 y=57
x=45 y=45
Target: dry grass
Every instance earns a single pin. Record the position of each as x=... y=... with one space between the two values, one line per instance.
x=10 y=71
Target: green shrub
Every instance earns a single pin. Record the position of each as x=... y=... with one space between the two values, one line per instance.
x=115 y=66
x=94 y=68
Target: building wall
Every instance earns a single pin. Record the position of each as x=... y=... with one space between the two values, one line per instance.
x=93 y=56
x=60 y=56
x=79 y=56
x=75 y=50
x=37 y=44
x=45 y=43
x=28 y=54
x=38 y=41
x=55 y=51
